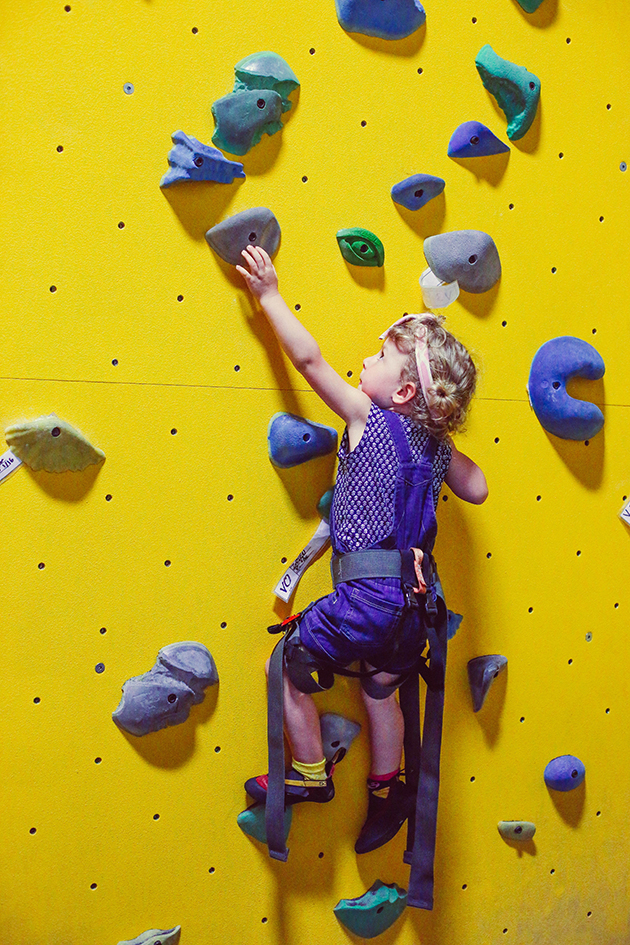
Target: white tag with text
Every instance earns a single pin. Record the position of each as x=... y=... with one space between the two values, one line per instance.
x=8 y=464
x=290 y=579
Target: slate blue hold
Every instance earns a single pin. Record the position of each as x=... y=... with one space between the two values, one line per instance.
x=242 y=118
x=556 y=362
x=472 y=139
x=257 y=226
x=482 y=671
x=293 y=440
x=564 y=773
x=375 y=911
x=189 y=159
x=392 y=19
x=416 y=191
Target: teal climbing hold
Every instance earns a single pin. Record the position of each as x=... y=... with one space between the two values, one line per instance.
x=324 y=505
x=521 y=830
x=361 y=247
x=266 y=70
x=252 y=822
x=242 y=118
x=482 y=671
x=375 y=911
x=516 y=90
x=530 y=6
x=293 y=440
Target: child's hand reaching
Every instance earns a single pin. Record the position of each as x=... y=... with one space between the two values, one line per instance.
x=261 y=277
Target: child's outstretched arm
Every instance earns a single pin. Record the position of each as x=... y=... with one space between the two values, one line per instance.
x=350 y=404
x=466 y=479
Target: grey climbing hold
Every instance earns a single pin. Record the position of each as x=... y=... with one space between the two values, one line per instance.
x=416 y=191
x=530 y=6
x=375 y=911
x=564 y=773
x=156 y=937
x=266 y=70
x=468 y=256
x=242 y=118
x=392 y=20
x=520 y=830
x=230 y=237
x=516 y=90
x=482 y=671
x=324 y=505
x=472 y=139
x=252 y=822
x=337 y=732
x=293 y=440
x=165 y=694
x=189 y=159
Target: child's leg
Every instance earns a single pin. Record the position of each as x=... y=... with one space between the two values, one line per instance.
x=387 y=728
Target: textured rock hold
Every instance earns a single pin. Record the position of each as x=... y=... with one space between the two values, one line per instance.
x=521 y=830
x=52 y=444
x=230 y=237
x=564 y=773
x=375 y=911
x=416 y=191
x=252 y=822
x=242 y=118
x=293 y=440
x=156 y=937
x=482 y=671
x=516 y=90
x=337 y=732
x=469 y=257
x=266 y=70
x=472 y=139
x=189 y=159
x=394 y=19
x=555 y=363
x=361 y=247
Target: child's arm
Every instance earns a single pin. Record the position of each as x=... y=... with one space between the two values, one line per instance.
x=350 y=404
x=465 y=478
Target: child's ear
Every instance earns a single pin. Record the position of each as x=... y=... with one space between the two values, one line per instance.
x=405 y=393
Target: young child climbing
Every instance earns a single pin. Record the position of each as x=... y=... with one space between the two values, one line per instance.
x=395 y=454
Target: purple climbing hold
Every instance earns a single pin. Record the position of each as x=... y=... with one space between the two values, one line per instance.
x=189 y=159
x=555 y=363
x=472 y=139
x=415 y=191
x=393 y=19
x=564 y=773
x=293 y=440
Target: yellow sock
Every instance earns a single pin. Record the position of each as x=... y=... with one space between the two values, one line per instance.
x=316 y=772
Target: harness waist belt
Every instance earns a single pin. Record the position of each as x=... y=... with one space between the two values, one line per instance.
x=371 y=563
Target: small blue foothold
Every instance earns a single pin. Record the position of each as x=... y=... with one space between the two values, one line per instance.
x=453 y=623
x=293 y=440
x=394 y=19
x=472 y=139
x=564 y=773
x=189 y=159
x=415 y=191
x=556 y=362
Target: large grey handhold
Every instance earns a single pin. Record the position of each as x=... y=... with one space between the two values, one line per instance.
x=468 y=256
x=482 y=671
x=165 y=694
x=242 y=118
x=156 y=937
x=337 y=732
x=189 y=159
x=257 y=226
x=266 y=70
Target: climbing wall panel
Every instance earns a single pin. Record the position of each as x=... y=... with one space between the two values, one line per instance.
x=118 y=317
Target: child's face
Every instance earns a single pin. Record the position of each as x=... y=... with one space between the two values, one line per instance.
x=381 y=374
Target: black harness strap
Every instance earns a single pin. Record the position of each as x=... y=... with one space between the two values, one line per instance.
x=274 y=809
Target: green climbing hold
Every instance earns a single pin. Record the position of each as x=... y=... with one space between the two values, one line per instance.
x=521 y=830
x=530 y=6
x=266 y=70
x=516 y=90
x=252 y=822
x=372 y=913
x=361 y=247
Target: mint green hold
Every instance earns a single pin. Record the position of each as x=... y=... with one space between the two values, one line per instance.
x=530 y=6
x=372 y=913
x=266 y=70
x=516 y=90
x=252 y=822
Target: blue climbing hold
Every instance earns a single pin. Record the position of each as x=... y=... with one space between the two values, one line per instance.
x=189 y=159
x=472 y=139
x=372 y=913
x=482 y=671
x=555 y=363
x=293 y=440
x=564 y=773
x=394 y=19
x=415 y=191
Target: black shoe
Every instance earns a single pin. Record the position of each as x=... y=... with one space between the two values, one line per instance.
x=297 y=788
x=386 y=815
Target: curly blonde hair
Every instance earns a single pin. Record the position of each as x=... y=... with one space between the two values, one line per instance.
x=453 y=370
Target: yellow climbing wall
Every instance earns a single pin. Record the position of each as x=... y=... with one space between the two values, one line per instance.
x=116 y=316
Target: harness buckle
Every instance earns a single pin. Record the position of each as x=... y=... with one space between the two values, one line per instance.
x=287 y=624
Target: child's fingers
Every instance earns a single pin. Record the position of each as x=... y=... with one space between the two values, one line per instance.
x=251 y=260
x=245 y=274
